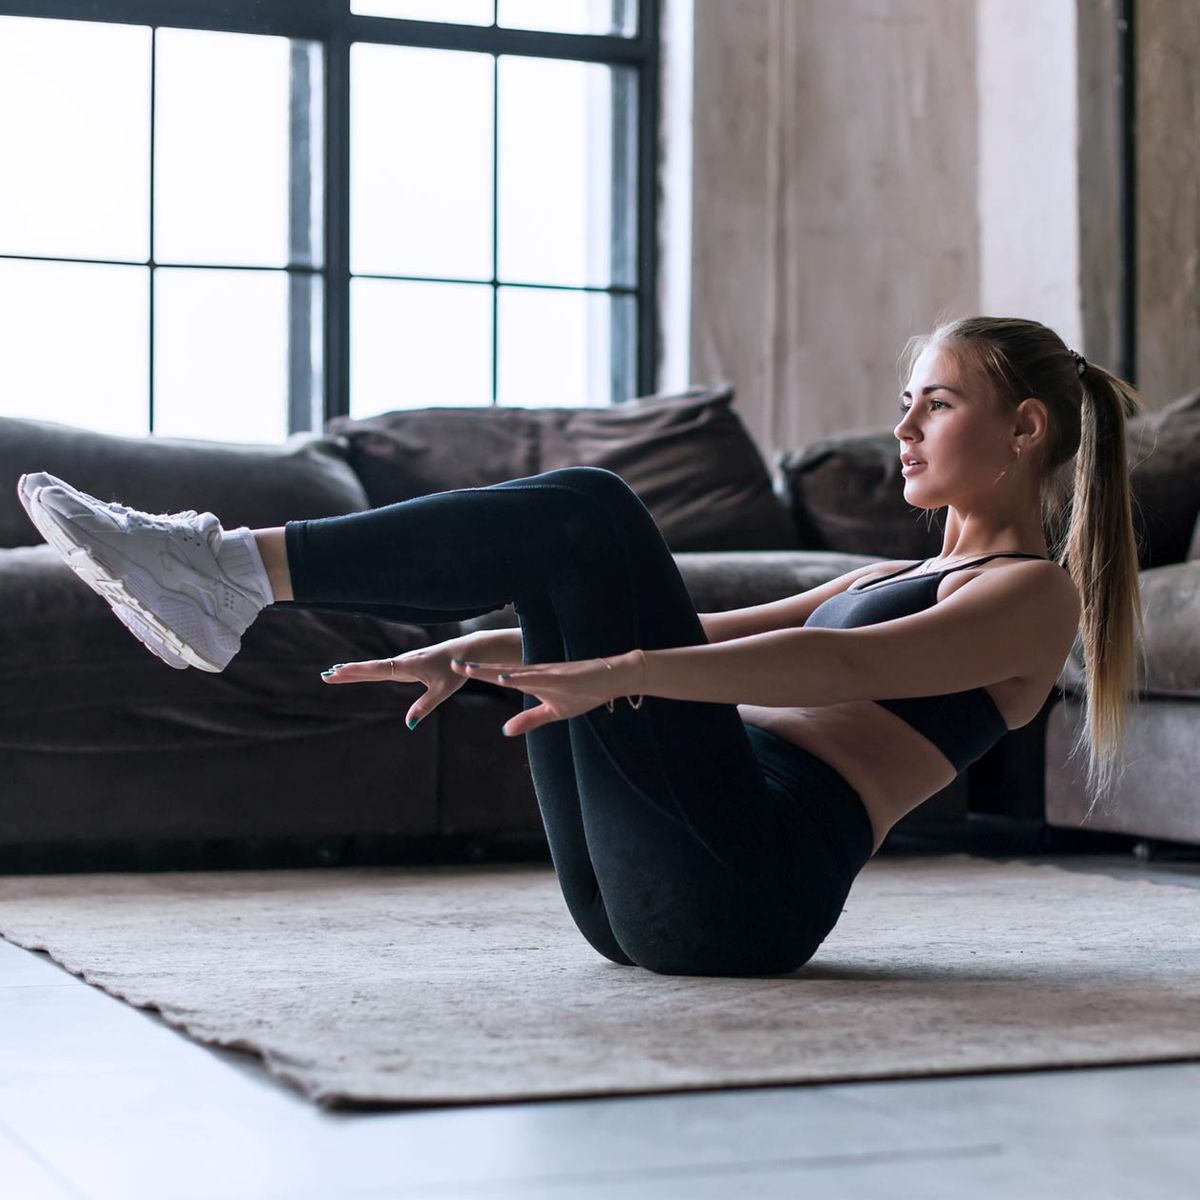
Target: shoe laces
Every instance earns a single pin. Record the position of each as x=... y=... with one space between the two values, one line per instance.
x=208 y=530
x=125 y=511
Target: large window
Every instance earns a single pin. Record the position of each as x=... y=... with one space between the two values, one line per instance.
x=234 y=221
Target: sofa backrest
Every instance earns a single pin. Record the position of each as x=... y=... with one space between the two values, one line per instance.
x=244 y=484
x=687 y=456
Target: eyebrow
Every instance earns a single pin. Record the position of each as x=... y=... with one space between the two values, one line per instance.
x=935 y=387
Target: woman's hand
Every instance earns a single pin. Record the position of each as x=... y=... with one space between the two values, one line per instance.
x=429 y=665
x=565 y=689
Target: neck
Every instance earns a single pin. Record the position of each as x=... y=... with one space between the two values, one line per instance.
x=1016 y=528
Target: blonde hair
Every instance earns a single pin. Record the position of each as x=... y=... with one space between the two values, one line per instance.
x=1086 y=513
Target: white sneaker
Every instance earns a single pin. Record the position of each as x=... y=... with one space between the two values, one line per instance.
x=149 y=638
x=161 y=573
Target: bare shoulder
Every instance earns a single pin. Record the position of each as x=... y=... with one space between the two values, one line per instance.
x=1037 y=595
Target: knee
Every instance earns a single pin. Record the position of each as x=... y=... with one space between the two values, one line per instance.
x=595 y=481
x=746 y=956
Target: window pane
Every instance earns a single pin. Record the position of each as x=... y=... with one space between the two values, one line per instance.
x=74 y=138
x=571 y=16
x=565 y=347
x=559 y=173
x=420 y=162
x=220 y=354
x=460 y=12
x=75 y=344
x=221 y=152
x=413 y=345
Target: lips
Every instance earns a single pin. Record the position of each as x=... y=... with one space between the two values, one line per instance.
x=908 y=460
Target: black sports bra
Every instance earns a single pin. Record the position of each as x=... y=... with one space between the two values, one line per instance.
x=962 y=725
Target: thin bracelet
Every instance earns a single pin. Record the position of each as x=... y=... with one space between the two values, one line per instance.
x=610 y=703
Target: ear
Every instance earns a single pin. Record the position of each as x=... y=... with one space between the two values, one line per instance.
x=1032 y=422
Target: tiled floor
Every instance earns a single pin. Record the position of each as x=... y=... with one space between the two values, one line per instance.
x=101 y=1101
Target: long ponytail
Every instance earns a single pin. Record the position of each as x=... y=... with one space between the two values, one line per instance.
x=1102 y=557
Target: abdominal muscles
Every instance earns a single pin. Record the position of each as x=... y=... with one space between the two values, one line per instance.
x=891 y=766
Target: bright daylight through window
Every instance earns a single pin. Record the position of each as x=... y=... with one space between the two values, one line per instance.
x=225 y=231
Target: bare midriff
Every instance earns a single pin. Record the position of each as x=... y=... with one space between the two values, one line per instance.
x=891 y=766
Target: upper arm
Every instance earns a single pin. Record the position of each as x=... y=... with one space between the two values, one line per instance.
x=1001 y=624
x=788 y=613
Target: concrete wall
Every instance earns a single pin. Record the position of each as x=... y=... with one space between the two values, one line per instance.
x=834 y=204
x=1028 y=192
x=862 y=167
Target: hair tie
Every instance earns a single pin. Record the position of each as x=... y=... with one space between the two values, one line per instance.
x=1080 y=362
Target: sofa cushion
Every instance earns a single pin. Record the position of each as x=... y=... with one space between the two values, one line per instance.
x=687 y=456
x=847 y=494
x=1164 y=453
x=244 y=484
x=1171 y=652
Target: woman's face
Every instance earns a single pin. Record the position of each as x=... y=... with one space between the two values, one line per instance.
x=952 y=426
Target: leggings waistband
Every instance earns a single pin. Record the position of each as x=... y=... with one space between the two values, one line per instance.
x=820 y=792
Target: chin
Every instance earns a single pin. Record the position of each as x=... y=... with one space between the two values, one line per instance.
x=918 y=499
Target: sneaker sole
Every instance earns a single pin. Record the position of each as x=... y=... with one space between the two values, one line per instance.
x=101 y=579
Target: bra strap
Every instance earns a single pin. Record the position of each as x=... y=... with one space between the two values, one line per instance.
x=988 y=558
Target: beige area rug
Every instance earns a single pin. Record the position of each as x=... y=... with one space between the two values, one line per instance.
x=413 y=986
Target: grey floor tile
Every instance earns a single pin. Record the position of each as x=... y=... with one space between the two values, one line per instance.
x=19 y=967
x=22 y=1177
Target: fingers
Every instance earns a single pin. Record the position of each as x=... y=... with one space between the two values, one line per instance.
x=370 y=671
x=503 y=673
x=525 y=723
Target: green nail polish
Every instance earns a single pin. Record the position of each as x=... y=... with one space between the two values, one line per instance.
x=414 y=723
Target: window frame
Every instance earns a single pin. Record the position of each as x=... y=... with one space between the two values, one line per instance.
x=331 y=23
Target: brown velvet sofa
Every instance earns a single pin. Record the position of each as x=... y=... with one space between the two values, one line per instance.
x=110 y=759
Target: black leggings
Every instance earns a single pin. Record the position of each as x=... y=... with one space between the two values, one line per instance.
x=685 y=841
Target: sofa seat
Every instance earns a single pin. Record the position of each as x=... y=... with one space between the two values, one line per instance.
x=1156 y=797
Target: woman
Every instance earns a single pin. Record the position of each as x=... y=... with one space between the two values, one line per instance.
x=714 y=823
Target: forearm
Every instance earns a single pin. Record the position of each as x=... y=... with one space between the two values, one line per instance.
x=779 y=669
x=738 y=623
x=496 y=645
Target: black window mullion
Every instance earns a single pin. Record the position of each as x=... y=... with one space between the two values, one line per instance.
x=337 y=222
x=647 y=222
x=301 y=285
x=623 y=156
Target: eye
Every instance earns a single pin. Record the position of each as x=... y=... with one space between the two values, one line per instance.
x=905 y=407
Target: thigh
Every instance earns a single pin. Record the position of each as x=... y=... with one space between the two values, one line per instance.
x=552 y=768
